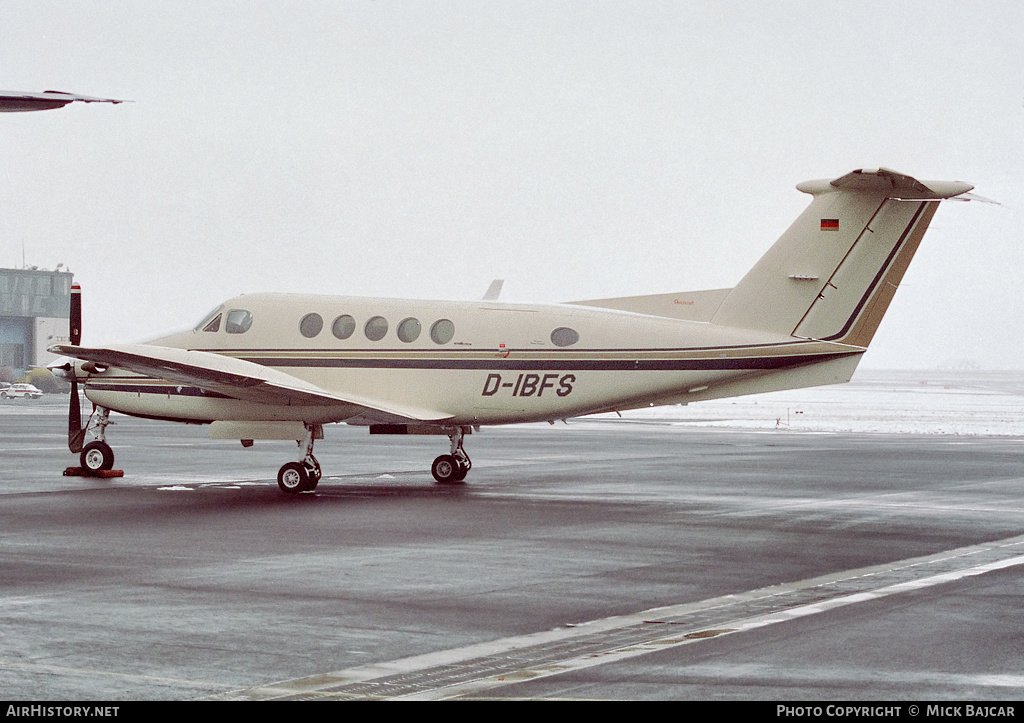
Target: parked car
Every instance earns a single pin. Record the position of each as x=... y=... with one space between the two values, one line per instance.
x=20 y=390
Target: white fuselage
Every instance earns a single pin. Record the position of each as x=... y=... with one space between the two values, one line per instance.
x=462 y=363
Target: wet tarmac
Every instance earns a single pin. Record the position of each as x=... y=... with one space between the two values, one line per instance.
x=589 y=560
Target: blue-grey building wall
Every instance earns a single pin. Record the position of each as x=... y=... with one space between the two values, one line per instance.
x=25 y=296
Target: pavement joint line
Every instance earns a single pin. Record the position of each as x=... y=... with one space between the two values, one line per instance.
x=320 y=686
x=93 y=672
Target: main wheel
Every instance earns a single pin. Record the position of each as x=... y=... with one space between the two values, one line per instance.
x=313 y=473
x=96 y=457
x=293 y=477
x=464 y=467
x=446 y=469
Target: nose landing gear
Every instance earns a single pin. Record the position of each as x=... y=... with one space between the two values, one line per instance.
x=97 y=458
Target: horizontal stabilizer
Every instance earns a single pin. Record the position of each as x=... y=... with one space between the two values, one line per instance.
x=888 y=183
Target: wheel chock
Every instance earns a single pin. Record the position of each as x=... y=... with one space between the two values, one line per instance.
x=81 y=472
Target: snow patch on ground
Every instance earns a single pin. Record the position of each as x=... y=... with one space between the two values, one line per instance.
x=909 y=402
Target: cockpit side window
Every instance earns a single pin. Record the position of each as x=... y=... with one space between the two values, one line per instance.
x=210 y=322
x=238 y=321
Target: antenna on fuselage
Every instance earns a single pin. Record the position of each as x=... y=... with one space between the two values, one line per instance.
x=494 y=290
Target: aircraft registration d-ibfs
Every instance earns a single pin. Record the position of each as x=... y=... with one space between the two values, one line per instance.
x=280 y=366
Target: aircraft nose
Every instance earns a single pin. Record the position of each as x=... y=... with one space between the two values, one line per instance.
x=63 y=368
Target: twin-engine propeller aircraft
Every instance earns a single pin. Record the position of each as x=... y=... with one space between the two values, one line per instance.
x=280 y=366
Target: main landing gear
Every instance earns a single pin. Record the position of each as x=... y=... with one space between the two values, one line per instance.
x=452 y=468
x=303 y=475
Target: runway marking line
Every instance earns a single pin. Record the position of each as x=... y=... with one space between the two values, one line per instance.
x=476 y=668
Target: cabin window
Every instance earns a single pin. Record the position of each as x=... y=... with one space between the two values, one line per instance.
x=238 y=321
x=442 y=331
x=213 y=316
x=564 y=336
x=343 y=326
x=409 y=330
x=376 y=328
x=311 y=325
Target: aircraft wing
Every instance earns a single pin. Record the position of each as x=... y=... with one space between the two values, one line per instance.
x=236 y=378
x=15 y=101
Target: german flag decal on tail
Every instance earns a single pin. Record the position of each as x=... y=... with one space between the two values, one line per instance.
x=830 y=224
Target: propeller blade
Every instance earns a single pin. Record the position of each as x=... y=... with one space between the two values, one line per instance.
x=75 y=322
x=76 y=435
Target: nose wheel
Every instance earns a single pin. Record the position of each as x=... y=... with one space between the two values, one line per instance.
x=96 y=457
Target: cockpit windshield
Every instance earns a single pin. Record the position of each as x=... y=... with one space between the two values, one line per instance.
x=208 y=320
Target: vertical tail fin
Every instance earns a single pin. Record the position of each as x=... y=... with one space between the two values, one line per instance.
x=833 y=273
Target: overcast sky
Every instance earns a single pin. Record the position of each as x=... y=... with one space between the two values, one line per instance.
x=575 y=149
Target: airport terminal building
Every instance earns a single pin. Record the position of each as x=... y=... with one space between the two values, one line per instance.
x=34 y=312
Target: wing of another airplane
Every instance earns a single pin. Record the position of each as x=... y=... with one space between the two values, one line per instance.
x=235 y=378
x=17 y=101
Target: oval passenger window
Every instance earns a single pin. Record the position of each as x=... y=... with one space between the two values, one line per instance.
x=442 y=331
x=564 y=336
x=376 y=328
x=343 y=326
x=409 y=330
x=311 y=325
